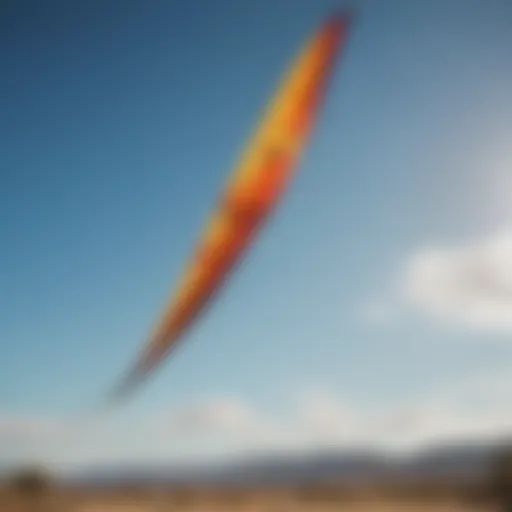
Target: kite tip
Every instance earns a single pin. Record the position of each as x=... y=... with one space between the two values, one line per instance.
x=122 y=391
x=343 y=17
x=339 y=23
x=117 y=396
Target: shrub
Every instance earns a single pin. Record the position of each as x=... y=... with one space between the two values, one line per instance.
x=31 y=481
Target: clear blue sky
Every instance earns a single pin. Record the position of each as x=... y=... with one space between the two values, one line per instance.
x=120 y=122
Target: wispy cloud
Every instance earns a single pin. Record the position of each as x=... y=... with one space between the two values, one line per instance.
x=220 y=415
x=475 y=408
x=227 y=427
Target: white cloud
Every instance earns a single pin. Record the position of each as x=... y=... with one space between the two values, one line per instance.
x=327 y=419
x=222 y=415
x=228 y=427
x=466 y=286
x=470 y=285
x=473 y=409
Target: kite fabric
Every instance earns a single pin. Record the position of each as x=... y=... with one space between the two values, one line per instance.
x=261 y=177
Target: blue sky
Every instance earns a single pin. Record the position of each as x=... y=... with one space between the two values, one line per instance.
x=121 y=122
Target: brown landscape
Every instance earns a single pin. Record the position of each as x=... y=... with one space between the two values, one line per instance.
x=285 y=500
x=35 y=490
x=248 y=502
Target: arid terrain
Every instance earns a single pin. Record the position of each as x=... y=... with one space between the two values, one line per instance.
x=34 y=490
x=198 y=502
x=284 y=507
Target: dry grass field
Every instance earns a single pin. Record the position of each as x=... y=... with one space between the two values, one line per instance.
x=36 y=492
x=204 y=502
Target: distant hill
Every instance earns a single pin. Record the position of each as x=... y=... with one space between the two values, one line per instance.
x=464 y=461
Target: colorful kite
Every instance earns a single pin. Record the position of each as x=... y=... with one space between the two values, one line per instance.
x=260 y=179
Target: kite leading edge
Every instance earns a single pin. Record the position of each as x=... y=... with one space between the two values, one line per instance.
x=261 y=177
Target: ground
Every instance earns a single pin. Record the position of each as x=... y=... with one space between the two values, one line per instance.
x=254 y=502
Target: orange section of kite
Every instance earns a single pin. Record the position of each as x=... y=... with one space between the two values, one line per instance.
x=260 y=179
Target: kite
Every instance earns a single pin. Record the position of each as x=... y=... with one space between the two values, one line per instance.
x=258 y=183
